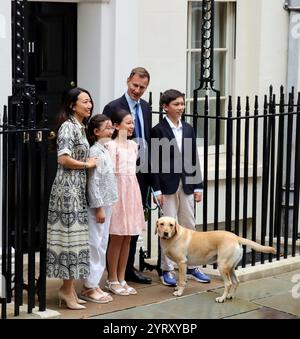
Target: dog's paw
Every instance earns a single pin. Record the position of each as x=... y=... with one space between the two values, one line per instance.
x=178 y=293
x=220 y=300
x=176 y=288
x=229 y=297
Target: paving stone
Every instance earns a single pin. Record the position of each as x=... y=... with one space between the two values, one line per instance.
x=198 y=306
x=284 y=302
x=265 y=298
x=261 y=288
x=288 y=276
x=36 y=314
x=264 y=313
x=147 y=295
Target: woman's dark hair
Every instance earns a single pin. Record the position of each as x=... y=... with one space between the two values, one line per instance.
x=96 y=121
x=116 y=118
x=69 y=99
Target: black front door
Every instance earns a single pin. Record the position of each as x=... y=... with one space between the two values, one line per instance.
x=52 y=56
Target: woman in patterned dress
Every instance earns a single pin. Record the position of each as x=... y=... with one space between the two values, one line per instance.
x=67 y=229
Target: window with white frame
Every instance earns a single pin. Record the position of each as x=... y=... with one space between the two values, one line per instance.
x=224 y=36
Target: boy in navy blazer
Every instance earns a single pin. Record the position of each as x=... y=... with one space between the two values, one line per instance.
x=176 y=174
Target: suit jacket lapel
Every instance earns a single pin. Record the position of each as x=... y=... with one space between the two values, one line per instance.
x=168 y=129
x=169 y=133
x=124 y=103
x=145 y=112
x=184 y=137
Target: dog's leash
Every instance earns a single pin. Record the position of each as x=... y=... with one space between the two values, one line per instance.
x=160 y=210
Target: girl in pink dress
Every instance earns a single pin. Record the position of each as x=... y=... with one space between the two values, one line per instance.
x=127 y=215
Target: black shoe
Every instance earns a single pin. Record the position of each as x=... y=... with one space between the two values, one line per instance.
x=136 y=276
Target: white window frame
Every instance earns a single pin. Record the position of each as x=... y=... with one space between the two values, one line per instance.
x=229 y=51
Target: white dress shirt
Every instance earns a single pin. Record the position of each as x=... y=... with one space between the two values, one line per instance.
x=177 y=131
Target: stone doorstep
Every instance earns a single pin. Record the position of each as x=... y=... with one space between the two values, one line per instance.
x=36 y=314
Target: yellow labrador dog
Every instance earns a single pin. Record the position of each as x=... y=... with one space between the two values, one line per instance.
x=185 y=246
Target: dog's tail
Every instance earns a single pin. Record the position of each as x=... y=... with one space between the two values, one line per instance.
x=257 y=247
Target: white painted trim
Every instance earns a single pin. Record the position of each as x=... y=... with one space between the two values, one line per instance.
x=293 y=78
x=107 y=48
x=89 y=49
x=126 y=43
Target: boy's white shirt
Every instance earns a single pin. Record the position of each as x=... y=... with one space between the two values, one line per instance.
x=177 y=131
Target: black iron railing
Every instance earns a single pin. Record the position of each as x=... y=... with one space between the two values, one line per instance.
x=24 y=166
x=24 y=132
x=274 y=131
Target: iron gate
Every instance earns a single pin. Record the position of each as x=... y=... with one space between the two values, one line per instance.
x=23 y=159
x=24 y=194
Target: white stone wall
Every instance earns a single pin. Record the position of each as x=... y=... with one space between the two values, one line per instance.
x=89 y=50
x=5 y=55
x=294 y=47
x=107 y=47
x=162 y=43
x=261 y=45
x=117 y=35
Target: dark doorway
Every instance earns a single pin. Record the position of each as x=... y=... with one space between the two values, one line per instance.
x=52 y=56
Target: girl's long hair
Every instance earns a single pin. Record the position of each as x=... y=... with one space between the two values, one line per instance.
x=116 y=118
x=96 y=121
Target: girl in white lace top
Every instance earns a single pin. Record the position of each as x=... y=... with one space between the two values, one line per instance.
x=102 y=194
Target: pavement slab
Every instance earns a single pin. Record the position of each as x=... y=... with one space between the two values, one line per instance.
x=197 y=306
x=261 y=288
x=264 y=313
x=147 y=294
x=288 y=276
x=276 y=296
x=284 y=302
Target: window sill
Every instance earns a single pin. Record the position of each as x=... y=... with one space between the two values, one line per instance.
x=222 y=167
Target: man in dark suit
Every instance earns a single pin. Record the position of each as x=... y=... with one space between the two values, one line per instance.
x=131 y=101
x=176 y=174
